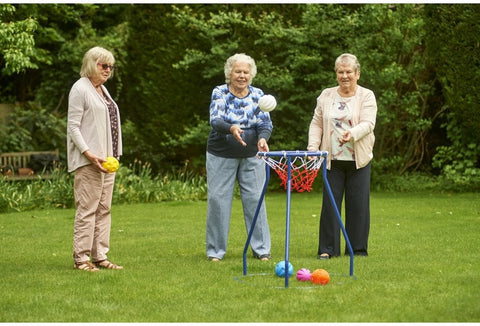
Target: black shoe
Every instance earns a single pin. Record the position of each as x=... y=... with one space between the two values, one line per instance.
x=324 y=256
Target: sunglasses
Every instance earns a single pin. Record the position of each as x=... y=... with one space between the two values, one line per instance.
x=105 y=66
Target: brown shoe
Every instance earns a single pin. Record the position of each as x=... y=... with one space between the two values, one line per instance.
x=86 y=266
x=324 y=256
x=107 y=264
x=263 y=257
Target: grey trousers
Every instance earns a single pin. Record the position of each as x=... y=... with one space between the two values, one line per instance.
x=93 y=200
x=222 y=174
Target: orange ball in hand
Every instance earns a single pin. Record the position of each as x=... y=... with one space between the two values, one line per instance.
x=320 y=276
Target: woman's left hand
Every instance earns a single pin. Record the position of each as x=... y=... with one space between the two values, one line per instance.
x=347 y=136
x=96 y=161
x=262 y=145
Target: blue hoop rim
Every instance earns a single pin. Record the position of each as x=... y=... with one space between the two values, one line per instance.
x=296 y=153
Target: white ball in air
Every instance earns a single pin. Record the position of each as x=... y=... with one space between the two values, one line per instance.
x=267 y=103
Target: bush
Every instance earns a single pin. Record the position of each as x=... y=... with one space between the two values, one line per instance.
x=134 y=184
x=422 y=182
x=25 y=195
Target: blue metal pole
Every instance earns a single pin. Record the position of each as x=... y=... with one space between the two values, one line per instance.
x=339 y=217
x=287 y=226
x=254 y=221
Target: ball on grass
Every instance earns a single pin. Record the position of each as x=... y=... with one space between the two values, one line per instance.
x=280 y=269
x=111 y=164
x=320 y=276
x=304 y=275
x=267 y=103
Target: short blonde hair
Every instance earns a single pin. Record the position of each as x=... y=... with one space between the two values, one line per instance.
x=349 y=59
x=94 y=56
x=240 y=57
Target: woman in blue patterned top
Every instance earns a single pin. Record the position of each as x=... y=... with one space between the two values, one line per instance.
x=239 y=129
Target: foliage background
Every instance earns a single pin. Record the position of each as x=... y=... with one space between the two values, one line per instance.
x=415 y=57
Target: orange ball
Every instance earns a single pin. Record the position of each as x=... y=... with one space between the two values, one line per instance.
x=320 y=276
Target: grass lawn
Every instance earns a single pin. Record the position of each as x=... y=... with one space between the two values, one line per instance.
x=423 y=266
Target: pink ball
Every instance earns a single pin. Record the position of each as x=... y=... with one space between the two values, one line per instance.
x=304 y=275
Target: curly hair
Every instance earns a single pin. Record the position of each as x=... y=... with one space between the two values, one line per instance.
x=348 y=58
x=240 y=57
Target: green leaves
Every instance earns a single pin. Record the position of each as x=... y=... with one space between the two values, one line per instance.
x=421 y=61
x=17 y=42
x=295 y=53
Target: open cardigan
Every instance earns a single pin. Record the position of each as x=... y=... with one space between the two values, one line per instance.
x=88 y=125
x=364 y=114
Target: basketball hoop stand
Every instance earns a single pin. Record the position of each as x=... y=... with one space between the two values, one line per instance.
x=289 y=155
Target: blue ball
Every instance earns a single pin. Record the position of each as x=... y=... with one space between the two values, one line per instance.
x=280 y=269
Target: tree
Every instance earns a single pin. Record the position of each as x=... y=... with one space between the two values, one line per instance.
x=296 y=60
x=167 y=107
x=17 y=46
x=16 y=41
x=453 y=49
x=289 y=63
x=169 y=57
x=390 y=42
x=62 y=34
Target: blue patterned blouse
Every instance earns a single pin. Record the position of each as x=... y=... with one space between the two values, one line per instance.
x=226 y=110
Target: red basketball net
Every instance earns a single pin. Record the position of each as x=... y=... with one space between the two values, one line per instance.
x=303 y=171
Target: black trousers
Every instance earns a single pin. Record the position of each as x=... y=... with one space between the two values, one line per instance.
x=346 y=180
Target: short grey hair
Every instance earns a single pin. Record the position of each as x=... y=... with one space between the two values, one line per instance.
x=92 y=57
x=349 y=59
x=240 y=57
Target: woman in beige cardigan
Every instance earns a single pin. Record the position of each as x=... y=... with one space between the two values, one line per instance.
x=343 y=124
x=93 y=134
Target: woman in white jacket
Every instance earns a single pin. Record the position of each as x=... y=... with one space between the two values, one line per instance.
x=93 y=134
x=343 y=124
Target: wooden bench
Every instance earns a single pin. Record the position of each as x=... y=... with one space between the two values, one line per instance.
x=26 y=165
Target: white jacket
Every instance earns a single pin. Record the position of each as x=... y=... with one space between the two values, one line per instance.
x=88 y=125
x=364 y=113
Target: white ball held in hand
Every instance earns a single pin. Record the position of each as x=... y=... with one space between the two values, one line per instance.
x=267 y=103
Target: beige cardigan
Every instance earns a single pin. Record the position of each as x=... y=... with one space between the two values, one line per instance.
x=364 y=114
x=88 y=125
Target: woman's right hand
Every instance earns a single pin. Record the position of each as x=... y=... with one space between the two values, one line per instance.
x=237 y=133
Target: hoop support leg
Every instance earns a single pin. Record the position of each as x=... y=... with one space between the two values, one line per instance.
x=254 y=221
x=287 y=219
x=339 y=217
